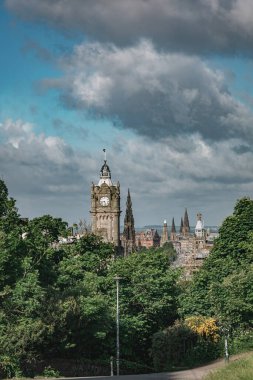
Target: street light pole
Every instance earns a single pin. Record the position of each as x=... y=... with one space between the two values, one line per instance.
x=225 y=331
x=117 y=278
x=226 y=349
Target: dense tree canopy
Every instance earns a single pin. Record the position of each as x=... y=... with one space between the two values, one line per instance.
x=59 y=300
x=223 y=286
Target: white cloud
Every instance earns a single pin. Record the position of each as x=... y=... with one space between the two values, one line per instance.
x=154 y=93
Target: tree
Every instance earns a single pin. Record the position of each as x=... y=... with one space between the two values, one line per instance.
x=9 y=217
x=43 y=247
x=213 y=290
x=148 y=299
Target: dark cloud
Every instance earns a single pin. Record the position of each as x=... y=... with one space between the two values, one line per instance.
x=155 y=94
x=242 y=149
x=192 y=26
x=46 y=176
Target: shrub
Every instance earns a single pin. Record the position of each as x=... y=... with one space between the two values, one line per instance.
x=186 y=344
x=170 y=347
x=9 y=367
x=50 y=372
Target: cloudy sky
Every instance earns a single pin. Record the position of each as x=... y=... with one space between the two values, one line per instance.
x=164 y=85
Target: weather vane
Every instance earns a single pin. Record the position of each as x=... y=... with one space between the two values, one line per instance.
x=104 y=150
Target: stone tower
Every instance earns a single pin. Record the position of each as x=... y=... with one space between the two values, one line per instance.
x=156 y=240
x=186 y=225
x=199 y=229
x=164 y=238
x=105 y=207
x=173 y=231
x=128 y=240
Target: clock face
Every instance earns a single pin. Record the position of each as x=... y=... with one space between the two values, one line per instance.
x=104 y=201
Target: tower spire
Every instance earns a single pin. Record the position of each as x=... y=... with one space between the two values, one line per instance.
x=173 y=230
x=186 y=225
x=105 y=173
x=129 y=231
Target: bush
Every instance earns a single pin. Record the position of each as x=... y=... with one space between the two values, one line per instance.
x=181 y=346
x=50 y=372
x=9 y=367
x=240 y=341
x=171 y=347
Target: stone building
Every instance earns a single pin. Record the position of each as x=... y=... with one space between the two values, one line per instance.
x=105 y=207
x=164 y=237
x=192 y=248
x=148 y=239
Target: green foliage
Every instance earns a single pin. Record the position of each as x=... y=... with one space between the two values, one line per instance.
x=9 y=217
x=241 y=340
x=50 y=372
x=59 y=300
x=148 y=298
x=181 y=346
x=9 y=367
x=234 y=232
x=167 y=248
x=223 y=286
x=170 y=347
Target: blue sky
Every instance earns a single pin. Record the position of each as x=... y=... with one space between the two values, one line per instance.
x=166 y=91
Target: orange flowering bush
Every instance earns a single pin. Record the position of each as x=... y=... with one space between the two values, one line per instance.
x=206 y=327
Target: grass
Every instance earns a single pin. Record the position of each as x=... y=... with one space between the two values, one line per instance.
x=241 y=369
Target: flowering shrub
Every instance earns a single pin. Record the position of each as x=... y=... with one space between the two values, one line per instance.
x=206 y=327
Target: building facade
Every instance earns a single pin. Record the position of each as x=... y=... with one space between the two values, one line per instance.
x=164 y=238
x=105 y=207
x=148 y=239
x=192 y=248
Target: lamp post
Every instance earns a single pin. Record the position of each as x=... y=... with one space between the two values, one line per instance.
x=117 y=278
x=225 y=331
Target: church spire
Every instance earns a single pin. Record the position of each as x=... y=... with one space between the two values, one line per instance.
x=129 y=231
x=186 y=225
x=173 y=230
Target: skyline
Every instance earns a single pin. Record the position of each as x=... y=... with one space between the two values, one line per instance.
x=165 y=87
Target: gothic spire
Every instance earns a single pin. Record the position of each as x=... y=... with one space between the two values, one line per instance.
x=173 y=231
x=186 y=224
x=186 y=219
x=129 y=231
x=173 y=228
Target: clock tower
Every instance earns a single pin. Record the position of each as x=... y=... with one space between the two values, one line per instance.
x=105 y=207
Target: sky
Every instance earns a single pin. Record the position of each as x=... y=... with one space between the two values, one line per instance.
x=165 y=86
